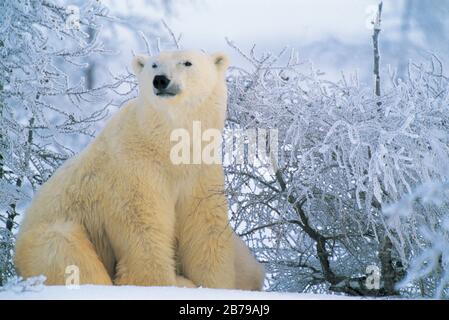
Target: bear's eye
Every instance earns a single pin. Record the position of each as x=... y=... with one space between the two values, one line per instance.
x=188 y=64
x=154 y=66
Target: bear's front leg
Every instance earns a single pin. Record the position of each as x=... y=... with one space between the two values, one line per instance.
x=143 y=240
x=206 y=249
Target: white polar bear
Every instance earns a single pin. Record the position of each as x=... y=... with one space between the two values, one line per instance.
x=123 y=213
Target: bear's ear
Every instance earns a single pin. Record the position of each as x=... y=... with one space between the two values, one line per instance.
x=221 y=61
x=139 y=62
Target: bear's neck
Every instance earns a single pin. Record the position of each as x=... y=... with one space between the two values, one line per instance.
x=152 y=121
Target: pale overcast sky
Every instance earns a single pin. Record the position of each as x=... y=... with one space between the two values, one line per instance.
x=206 y=23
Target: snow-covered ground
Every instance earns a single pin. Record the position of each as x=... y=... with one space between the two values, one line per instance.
x=149 y=293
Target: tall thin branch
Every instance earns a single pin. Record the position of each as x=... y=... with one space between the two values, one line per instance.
x=377 y=27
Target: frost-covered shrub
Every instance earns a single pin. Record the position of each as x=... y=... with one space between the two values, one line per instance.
x=315 y=215
x=420 y=223
x=6 y=251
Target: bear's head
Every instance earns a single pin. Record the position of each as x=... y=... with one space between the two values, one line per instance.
x=180 y=79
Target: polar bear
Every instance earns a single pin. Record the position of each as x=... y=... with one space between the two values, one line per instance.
x=120 y=212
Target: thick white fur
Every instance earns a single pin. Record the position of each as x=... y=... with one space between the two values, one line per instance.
x=124 y=214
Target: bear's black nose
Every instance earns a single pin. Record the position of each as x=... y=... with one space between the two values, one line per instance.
x=161 y=82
